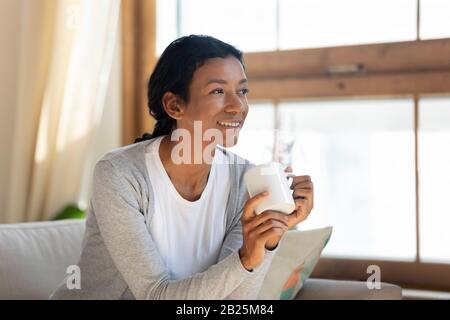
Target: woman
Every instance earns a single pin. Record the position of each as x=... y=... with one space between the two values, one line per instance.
x=165 y=225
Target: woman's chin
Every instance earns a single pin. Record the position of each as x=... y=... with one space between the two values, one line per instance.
x=229 y=143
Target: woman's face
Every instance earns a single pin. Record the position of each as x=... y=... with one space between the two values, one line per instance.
x=217 y=97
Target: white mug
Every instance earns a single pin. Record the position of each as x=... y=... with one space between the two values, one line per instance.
x=272 y=178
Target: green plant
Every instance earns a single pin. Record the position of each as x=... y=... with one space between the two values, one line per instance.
x=71 y=211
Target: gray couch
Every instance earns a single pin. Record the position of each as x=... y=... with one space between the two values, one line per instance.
x=34 y=258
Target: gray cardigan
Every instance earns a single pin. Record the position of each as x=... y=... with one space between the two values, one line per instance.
x=119 y=259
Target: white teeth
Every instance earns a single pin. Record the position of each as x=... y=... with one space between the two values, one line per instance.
x=229 y=124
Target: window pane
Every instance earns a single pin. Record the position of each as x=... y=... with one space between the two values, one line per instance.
x=166 y=24
x=434 y=179
x=321 y=23
x=360 y=155
x=434 y=19
x=256 y=137
x=250 y=25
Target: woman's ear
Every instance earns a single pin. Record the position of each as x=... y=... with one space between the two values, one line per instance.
x=173 y=105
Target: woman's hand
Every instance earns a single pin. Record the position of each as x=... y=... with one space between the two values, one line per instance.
x=303 y=194
x=258 y=229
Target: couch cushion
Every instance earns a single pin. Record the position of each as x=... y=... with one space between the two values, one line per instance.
x=293 y=263
x=323 y=289
x=35 y=256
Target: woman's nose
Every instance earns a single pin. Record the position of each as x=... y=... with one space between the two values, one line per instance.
x=234 y=103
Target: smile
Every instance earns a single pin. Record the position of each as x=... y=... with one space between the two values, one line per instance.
x=229 y=124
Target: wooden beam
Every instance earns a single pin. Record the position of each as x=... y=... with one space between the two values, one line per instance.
x=129 y=96
x=414 y=275
x=147 y=60
x=374 y=58
x=138 y=60
x=351 y=86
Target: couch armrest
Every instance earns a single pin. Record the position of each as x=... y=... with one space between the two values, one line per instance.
x=323 y=289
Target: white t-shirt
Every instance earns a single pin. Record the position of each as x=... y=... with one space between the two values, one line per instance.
x=188 y=234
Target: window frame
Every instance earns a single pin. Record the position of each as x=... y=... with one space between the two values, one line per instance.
x=388 y=69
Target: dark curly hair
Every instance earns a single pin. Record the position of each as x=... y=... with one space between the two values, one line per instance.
x=174 y=71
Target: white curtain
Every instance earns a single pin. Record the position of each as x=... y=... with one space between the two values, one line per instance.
x=66 y=54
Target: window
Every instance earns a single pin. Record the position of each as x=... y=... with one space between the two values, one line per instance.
x=166 y=24
x=360 y=154
x=255 y=25
x=323 y=23
x=250 y=25
x=434 y=19
x=434 y=178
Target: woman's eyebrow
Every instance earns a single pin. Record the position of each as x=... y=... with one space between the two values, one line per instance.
x=222 y=81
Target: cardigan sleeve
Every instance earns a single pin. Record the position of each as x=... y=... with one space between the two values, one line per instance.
x=250 y=288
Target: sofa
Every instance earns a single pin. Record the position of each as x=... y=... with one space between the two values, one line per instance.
x=34 y=258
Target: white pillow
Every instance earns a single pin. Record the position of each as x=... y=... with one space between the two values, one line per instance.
x=293 y=263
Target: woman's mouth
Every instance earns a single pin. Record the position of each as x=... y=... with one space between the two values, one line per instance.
x=229 y=124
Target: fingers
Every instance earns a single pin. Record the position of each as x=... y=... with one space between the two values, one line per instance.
x=302 y=210
x=300 y=215
x=304 y=199
x=269 y=225
x=300 y=179
x=304 y=193
x=303 y=185
x=300 y=202
x=251 y=203
x=270 y=233
x=267 y=215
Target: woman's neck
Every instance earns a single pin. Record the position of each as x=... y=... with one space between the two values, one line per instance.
x=185 y=176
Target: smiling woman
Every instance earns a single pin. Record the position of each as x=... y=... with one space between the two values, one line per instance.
x=159 y=228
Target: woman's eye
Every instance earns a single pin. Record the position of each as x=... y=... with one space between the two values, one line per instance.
x=244 y=91
x=221 y=91
x=217 y=91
